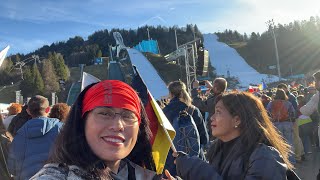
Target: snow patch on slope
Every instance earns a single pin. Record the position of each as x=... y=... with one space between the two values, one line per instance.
x=225 y=58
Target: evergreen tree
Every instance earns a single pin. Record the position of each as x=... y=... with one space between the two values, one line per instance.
x=60 y=67
x=26 y=85
x=254 y=36
x=92 y=50
x=245 y=37
x=38 y=81
x=17 y=58
x=7 y=64
x=49 y=77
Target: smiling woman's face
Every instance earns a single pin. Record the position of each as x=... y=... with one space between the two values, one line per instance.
x=111 y=139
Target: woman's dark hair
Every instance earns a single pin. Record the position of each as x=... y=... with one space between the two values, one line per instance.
x=71 y=147
x=280 y=94
x=255 y=126
x=142 y=151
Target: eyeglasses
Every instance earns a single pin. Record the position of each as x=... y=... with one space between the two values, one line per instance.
x=127 y=117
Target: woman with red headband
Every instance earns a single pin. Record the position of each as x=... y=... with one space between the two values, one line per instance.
x=105 y=137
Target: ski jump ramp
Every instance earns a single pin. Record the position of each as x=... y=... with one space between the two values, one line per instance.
x=226 y=59
x=150 y=76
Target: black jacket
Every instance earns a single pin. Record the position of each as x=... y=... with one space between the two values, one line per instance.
x=205 y=105
x=264 y=162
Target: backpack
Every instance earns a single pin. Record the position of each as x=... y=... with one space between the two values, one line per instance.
x=187 y=136
x=279 y=111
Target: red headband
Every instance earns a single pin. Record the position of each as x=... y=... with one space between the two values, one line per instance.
x=112 y=93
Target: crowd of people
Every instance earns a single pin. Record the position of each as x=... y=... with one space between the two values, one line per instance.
x=106 y=134
x=27 y=136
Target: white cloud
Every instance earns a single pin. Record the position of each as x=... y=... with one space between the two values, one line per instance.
x=154 y=19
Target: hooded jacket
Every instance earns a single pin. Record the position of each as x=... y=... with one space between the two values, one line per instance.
x=31 y=146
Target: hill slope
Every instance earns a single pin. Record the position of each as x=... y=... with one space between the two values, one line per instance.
x=228 y=62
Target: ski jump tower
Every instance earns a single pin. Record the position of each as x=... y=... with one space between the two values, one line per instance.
x=189 y=52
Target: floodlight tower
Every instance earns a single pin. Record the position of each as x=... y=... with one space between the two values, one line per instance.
x=271 y=25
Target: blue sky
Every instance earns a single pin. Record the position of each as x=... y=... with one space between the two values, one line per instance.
x=27 y=25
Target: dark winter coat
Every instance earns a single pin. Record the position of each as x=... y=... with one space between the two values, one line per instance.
x=206 y=105
x=264 y=162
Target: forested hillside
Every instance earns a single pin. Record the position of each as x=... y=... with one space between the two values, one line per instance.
x=77 y=50
x=41 y=74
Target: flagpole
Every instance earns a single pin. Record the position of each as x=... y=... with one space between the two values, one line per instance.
x=173 y=147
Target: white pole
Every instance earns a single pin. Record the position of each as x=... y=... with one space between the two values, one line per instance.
x=277 y=55
x=175 y=34
x=271 y=23
x=148 y=34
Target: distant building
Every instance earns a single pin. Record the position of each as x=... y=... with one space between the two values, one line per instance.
x=148 y=46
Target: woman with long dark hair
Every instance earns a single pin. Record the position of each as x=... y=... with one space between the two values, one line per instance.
x=248 y=146
x=105 y=136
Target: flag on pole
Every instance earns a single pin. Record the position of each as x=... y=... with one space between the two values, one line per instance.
x=3 y=54
x=88 y=79
x=253 y=89
x=264 y=85
x=159 y=124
